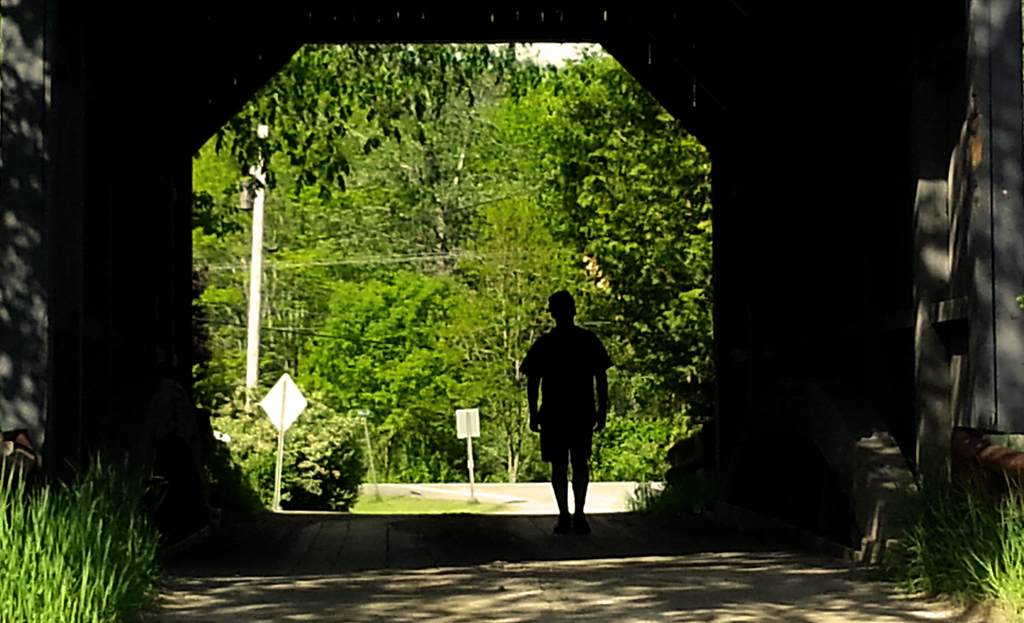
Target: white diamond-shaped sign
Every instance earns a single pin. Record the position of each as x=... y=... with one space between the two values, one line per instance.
x=284 y=403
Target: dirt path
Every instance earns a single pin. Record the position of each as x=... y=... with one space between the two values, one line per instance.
x=473 y=568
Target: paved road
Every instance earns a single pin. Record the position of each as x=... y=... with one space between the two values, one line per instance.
x=531 y=498
x=479 y=568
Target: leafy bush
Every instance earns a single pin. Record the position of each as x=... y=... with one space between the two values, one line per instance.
x=228 y=484
x=81 y=552
x=632 y=449
x=326 y=460
x=323 y=458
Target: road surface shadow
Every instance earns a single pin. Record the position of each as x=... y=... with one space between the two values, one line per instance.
x=285 y=543
x=457 y=568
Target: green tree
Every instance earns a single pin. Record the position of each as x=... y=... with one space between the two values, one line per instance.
x=384 y=353
x=332 y=101
x=515 y=266
x=629 y=189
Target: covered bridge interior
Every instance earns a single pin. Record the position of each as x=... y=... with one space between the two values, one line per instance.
x=868 y=230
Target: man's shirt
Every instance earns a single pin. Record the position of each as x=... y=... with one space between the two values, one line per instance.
x=566 y=359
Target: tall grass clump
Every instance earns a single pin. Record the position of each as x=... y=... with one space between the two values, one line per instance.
x=688 y=493
x=81 y=552
x=964 y=546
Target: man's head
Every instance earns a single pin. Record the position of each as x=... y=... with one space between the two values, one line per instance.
x=562 y=307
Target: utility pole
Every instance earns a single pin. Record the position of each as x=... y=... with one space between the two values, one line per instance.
x=252 y=355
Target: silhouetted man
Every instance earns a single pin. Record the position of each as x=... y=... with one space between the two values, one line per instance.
x=563 y=364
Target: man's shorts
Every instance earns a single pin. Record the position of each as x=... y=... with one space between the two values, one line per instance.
x=557 y=444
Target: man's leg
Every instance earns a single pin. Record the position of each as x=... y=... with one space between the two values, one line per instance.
x=580 y=482
x=560 y=485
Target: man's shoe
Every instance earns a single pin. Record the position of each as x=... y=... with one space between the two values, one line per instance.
x=564 y=525
x=580 y=525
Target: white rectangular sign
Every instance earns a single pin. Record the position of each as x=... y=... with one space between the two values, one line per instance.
x=467 y=423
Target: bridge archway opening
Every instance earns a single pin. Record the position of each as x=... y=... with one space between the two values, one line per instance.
x=299 y=328
x=859 y=302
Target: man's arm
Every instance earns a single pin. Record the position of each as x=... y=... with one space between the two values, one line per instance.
x=602 y=400
x=532 y=393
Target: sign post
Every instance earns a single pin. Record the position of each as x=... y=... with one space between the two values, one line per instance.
x=283 y=404
x=467 y=424
x=365 y=413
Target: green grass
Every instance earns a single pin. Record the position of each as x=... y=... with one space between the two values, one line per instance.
x=413 y=505
x=78 y=553
x=962 y=547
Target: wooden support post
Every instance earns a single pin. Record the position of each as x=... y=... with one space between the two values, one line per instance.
x=996 y=236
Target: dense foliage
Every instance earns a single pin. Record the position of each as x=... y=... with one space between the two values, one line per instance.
x=425 y=201
x=632 y=191
x=323 y=458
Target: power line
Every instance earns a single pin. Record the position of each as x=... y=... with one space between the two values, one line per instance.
x=300 y=331
x=335 y=336
x=378 y=259
x=390 y=259
x=531 y=191
x=356 y=261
